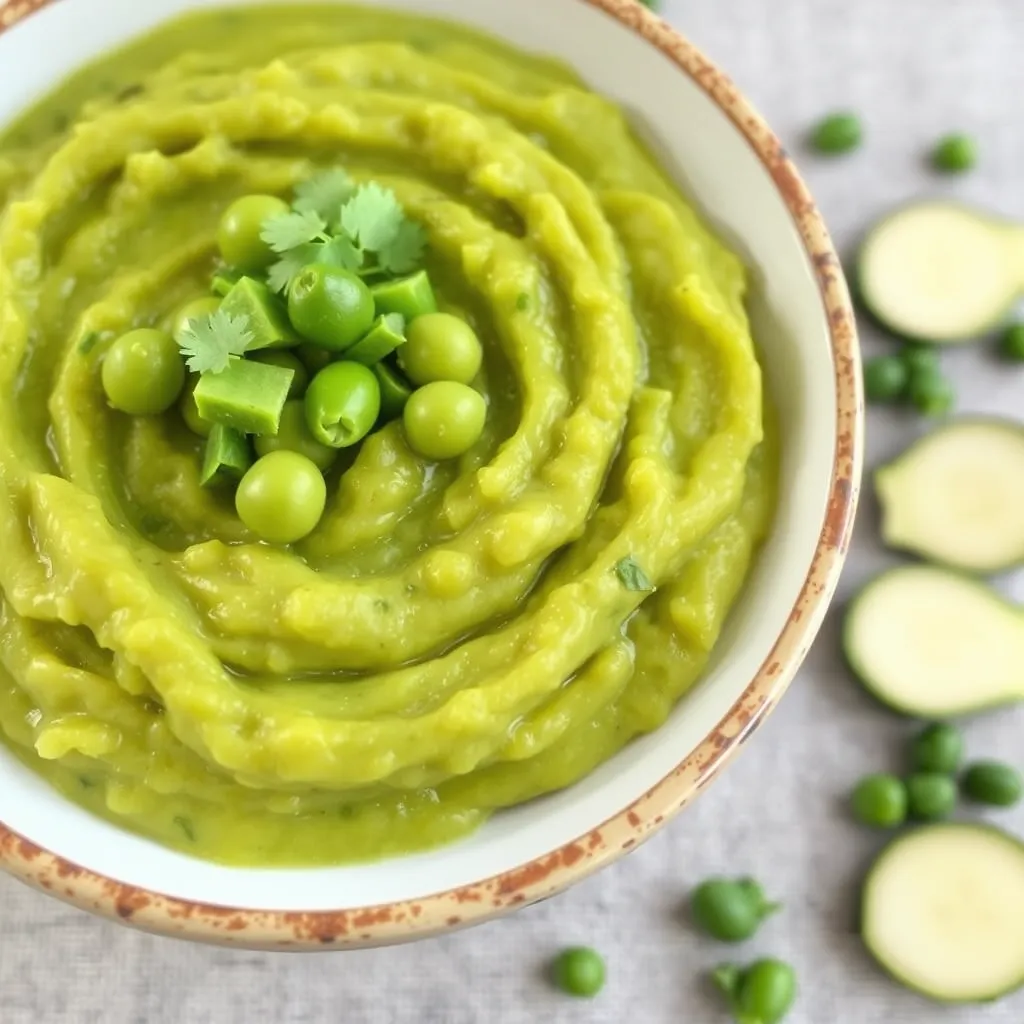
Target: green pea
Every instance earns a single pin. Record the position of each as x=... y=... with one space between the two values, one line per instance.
x=330 y=306
x=992 y=782
x=955 y=154
x=1012 y=343
x=342 y=404
x=190 y=411
x=880 y=801
x=930 y=392
x=444 y=419
x=730 y=910
x=885 y=378
x=938 y=748
x=394 y=391
x=931 y=796
x=143 y=372
x=288 y=361
x=440 y=346
x=281 y=497
x=837 y=133
x=238 y=236
x=293 y=435
x=762 y=993
x=920 y=358
x=197 y=309
x=313 y=357
x=579 y=971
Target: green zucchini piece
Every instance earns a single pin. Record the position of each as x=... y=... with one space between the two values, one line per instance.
x=941 y=271
x=248 y=396
x=410 y=296
x=942 y=912
x=935 y=644
x=386 y=335
x=263 y=312
x=957 y=496
x=226 y=457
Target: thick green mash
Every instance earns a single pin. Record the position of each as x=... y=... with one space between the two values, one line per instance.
x=452 y=639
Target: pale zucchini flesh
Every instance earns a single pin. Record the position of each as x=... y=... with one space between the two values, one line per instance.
x=943 y=912
x=935 y=644
x=957 y=496
x=941 y=271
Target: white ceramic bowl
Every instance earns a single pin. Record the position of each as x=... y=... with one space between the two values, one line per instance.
x=731 y=166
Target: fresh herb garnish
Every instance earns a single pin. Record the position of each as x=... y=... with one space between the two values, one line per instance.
x=325 y=194
x=362 y=229
x=290 y=230
x=631 y=575
x=211 y=343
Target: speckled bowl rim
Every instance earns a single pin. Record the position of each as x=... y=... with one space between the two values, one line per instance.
x=547 y=875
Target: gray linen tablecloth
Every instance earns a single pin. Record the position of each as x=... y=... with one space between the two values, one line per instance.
x=914 y=69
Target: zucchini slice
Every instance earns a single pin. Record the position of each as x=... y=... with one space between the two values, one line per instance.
x=941 y=271
x=943 y=912
x=957 y=496
x=935 y=644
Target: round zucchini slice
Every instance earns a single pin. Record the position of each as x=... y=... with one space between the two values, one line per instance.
x=943 y=912
x=940 y=271
x=935 y=644
x=957 y=496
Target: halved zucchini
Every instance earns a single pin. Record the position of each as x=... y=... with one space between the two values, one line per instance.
x=941 y=271
x=943 y=912
x=935 y=644
x=957 y=496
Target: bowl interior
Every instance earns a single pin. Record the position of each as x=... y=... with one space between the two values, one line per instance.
x=723 y=176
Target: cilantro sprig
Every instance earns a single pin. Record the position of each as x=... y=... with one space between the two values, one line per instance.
x=362 y=228
x=211 y=343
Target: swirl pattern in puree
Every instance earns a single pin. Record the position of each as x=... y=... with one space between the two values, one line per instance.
x=452 y=639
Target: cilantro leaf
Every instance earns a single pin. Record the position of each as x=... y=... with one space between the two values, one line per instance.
x=212 y=342
x=405 y=252
x=281 y=273
x=290 y=230
x=631 y=575
x=325 y=194
x=340 y=252
x=373 y=217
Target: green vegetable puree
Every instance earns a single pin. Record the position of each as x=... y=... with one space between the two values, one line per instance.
x=453 y=638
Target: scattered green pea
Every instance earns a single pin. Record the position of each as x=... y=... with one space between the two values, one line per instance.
x=282 y=497
x=885 y=378
x=238 y=235
x=931 y=796
x=955 y=154
x=143 y=372
x=920 y=358
x=330 y=306
x=880 y=801
x=730 y=910
x=443 y=420
x=992 y=782
x=190 y=411
x=1012 y=342
x=342 y=404
x=838 y=133
x=762 y=993
x=440 y=347
x=938 y=748
x=930 y=392
x=293 y=435
x=579 y=971
x=197 y=309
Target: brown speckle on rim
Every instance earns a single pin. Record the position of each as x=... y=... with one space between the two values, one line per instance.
x=556 y=870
